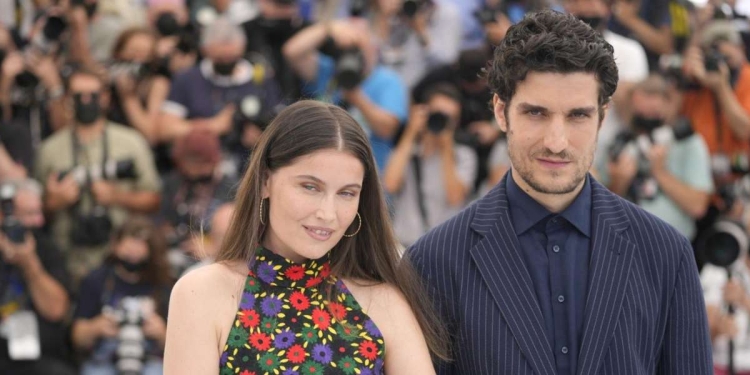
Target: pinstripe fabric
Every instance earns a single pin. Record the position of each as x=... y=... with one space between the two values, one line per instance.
x=644 y=308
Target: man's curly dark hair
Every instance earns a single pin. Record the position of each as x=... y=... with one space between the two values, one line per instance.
x=552 y=42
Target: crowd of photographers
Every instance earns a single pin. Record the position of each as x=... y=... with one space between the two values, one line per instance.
x=125 y=125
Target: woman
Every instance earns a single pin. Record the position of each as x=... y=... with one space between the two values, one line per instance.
x=140 y=86
x=309 y=251
x=123 y=304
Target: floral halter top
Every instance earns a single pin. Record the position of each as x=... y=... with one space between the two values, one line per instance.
x=286 y=325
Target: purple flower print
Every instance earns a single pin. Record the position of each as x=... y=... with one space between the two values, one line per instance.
x=271 y=306
x=322 y=354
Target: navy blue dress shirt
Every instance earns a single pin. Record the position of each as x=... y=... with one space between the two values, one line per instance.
x=556 y=251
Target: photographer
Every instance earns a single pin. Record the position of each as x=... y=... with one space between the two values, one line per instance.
x=429 y=175
x=416 y=36
x=206 y=95
x=348 y=74
x=718 y=105
x=476 y=117
x=719 y=292
x=33 y=284
x=192 y=192
x=95 y=172
x=665 y=168
x=30 y=96
x=139 y=90
x=276 y=23
x=120 y=319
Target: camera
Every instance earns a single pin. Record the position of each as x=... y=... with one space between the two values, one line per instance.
x=350 y=68
x=437 y=122
x=644 y=186
x=358 y=8
x=131 y=346
x=110 y=170
x=11 y=226
x=134 y=70
x=412 y=7
x=92 y=228
x=486 y=15
x=725 y=243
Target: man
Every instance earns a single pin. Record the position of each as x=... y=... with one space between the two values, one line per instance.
x=429 y=176
x=718 y=104
x=206 y=96
x=665 y=169
x=85 y=199
x=550 y=273
x=376 y=96
x=34 y=282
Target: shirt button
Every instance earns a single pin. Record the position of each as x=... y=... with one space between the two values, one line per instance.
x=554 y=221
x=561 y=299
x=564 y=350
x=556 y=248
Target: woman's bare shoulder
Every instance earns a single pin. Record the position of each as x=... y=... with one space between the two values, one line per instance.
x=211 y=283
x=383 y=302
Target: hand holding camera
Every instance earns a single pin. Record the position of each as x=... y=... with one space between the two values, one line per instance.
x=709 y=70
x=66 y=190
x=106 y=325
x=45 y=69
x=622 y=171
x=417 y=120
x=22 y=255
x=154 y=327
x=657 y=156
x=12 y=66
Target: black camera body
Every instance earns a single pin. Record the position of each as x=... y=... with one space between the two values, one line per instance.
x=350 y=68
x=412 y=7
x=437 y=122
x=111 y=170
x=11 y=226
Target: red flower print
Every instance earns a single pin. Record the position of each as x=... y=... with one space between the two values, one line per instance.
x=321 y=319
x=299 y=301
x=246 y=372
x=296 y=354
x=337 y=310
x=313 y=282
x=250 y=318
x=295 y=273
x=368 y=349
x=325 y=271
x=260 y=341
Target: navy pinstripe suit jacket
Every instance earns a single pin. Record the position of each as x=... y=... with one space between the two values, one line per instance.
x=644 y=309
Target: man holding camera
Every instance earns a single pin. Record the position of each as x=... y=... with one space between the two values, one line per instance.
x=95 y=173
x=338 y=62
x=207 y=96
x=429 y=175
x=718 y=106
x=33 y=284
x=659 y=163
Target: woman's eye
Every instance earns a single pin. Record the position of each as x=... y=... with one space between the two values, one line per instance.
x=309 y=187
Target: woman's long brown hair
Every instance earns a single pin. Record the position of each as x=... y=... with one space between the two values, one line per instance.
x=372 y=255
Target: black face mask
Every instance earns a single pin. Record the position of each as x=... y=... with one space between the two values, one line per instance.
x=647 y=124
x=594 y=22
x=167 y=24
x=87 y=113
x=200 y=179
x=133 y=267
x=224 y=68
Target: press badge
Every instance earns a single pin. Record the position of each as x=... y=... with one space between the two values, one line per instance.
x=22 y=331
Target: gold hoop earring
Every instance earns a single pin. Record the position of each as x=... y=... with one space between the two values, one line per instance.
x=358 y=228
x=261 y=211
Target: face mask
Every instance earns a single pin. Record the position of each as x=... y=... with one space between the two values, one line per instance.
x=133 y=267
x=167 y=24
x=593 y=22
x=646 y=123
x=91 y=8
x=224 y=68
x=200 y=179
x=87 y=113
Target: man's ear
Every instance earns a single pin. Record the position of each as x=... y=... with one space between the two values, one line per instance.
x=498 y=107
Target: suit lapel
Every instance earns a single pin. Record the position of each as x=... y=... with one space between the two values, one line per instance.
x=501 y=265
x=611 y=257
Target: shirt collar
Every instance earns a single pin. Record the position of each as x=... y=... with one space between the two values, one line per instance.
x=242 y=74
x=527 y=212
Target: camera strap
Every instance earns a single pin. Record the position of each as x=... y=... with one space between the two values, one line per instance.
x=86 y=188
x=417 y=165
